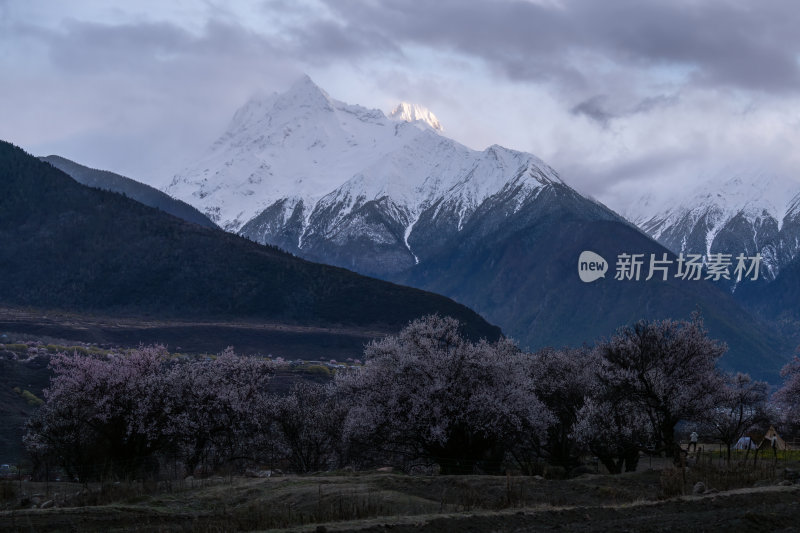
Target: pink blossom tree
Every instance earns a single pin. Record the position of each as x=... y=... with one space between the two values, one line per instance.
x=308 y=422
x=740 y=405
x=104 y=415
x=613 y=428
x=609 y=423
x=221 y=408
x=562 y=379
x=428 y=392
x=666 y=369
x=787 y=398
x=118 y=415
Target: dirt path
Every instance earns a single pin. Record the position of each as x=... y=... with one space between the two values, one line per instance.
x=770 y=509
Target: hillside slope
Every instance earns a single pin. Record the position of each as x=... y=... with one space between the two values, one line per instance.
x=71 y=247
x=109 y=181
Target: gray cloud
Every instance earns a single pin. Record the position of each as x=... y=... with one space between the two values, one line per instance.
x=619 y=183
x=747 y=45
x=665 y=86
x=320 y=40
x=600 y=108
x=84 y=47
x=595 y=109
x=654 y=102
x=107 y=94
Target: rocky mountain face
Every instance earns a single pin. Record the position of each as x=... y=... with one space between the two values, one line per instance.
x=748 y=213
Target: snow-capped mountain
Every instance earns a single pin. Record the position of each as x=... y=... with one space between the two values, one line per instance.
x=347 y=185
x=392 y=197
x=751 y=212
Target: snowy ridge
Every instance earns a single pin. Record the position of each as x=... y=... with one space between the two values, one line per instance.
x=299 y=144
x=793 y=209
x=304 y=165
x=743 y=212
x=756 y=197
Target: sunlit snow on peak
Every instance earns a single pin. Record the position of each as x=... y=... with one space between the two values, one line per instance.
x=413 y=112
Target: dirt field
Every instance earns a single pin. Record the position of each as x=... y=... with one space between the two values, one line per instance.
x=290 y=341
x=379 y=502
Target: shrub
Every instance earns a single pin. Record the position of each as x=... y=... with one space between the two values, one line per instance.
x=31 y=398
x=317 y=370
x=21 y=348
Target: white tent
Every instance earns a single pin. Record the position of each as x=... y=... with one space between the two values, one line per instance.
x=744 y=443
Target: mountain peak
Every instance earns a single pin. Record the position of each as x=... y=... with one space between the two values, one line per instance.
x=305 y=83
x=412 y=112
x=304 y=92
x=303 y=145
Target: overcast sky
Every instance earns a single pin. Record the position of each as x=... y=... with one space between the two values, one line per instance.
x=619 y=96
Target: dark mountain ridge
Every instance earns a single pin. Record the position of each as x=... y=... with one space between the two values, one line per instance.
x=71 y=247
x=145 y=194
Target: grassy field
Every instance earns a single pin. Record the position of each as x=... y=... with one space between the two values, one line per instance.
x=375 y=501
